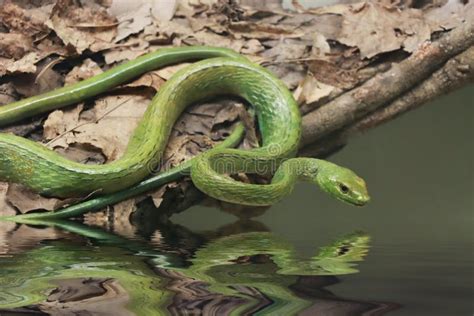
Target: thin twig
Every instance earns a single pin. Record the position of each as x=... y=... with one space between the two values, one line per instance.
x=50 y=65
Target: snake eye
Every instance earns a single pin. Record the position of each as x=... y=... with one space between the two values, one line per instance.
x=344 y=189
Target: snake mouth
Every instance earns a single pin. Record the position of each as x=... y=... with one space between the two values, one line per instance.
x=355 y=202
x=362 y=202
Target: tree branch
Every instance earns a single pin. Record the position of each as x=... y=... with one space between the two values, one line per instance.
x=456 y=73
x=385 y=87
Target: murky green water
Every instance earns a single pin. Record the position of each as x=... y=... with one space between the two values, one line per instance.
x=408 y=253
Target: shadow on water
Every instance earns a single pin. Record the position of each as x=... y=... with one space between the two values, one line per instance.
x=241 y=268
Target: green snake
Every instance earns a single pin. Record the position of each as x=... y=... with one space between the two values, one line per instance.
x=218 y=72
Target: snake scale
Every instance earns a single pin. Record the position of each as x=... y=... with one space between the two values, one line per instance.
x=216 y=72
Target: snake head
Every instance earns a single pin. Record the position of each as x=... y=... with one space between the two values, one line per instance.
x=342 y=183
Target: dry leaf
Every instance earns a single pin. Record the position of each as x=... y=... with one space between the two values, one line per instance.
x=200 y=119
x=163 y=10
x=151 y=79
x=26 y=64
x=339 y=70
x=212 y=39
x=320 y=46
x=167 y=72
x=14 y=45
x=252 y=47
x=59 y=122
x=134 y=16
x=176 y=27
x=106 y=127
x=375 y=29
x=25 y=200
x=311 y=90
x=286 y=50
x=69 y=21
x=29 y=22
x=451 y=15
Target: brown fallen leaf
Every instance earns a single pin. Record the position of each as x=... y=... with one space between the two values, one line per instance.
x=149 y=39
x=106 y=127
x=66 y=20
x=151 y=79
x=286 y=50
x=202 y=118
x=26 y=64
x=60 y=122
x=320 y=46
x=25 y=200
x=327 y=24
x=29 y=22
x=376 y=29
x=311 y=90
x=212 y=39
x=14 y=45
x=450 y=15
x=339 y=67
x=252 y=47
x=134 y=16
x=178 y=27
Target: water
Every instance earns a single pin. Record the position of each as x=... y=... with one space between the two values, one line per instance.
x=407 y=253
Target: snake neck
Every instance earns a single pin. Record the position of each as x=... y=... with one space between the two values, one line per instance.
x=339 y=182
x=303 y=169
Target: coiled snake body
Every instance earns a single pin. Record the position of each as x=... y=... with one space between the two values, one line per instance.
x=220 y=72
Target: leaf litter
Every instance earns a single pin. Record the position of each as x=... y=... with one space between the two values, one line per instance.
x=318 y=52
